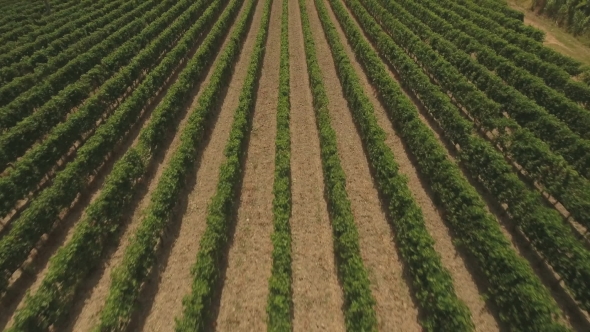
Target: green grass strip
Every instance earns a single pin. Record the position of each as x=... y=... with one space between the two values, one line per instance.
x=207 y=269
x=359 y=309
x=280 y=302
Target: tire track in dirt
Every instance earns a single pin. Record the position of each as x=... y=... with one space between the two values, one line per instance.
x=317 y=297
x=89 y=311
x=175 y=279
x=245 y=288
x=395 y=308
x=465 y=284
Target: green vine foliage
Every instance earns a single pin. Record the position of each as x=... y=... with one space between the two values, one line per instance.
x=359 y=312
x=72 y=263
x=280 y=302
x=206 y=271
x=523 y=302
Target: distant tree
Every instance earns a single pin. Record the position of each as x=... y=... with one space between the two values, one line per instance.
x=47 y=6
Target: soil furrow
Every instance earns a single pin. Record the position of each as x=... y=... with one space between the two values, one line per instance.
x=245 y=290
x=395 y=308
x=165 y=301
x=317 y=297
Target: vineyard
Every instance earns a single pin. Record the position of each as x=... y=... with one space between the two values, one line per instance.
x=290 y=165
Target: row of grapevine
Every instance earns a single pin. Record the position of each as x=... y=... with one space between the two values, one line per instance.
x=26 y=33
x=17 y=12
x=495 y=17
x=74 y=261
x=527 y=44
x=16 y=54
x=207 y=270
x=534 y=156
x=18 y=29
x=22 y=96
x=534 y=47
x=562 y=141
x=28 y=171
x=543 y=82
x=543 y=226
x=433 y=286
x=43 y=29
x=359 y=312
x=519 y=296
x=140 y=254
x=24 y=58
x=38 y=218
x=540 y=163
x=20 y=11
x=280 y=297
x=19 y=138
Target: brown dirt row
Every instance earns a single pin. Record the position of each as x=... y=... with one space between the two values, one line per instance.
x=164 y=301
x=317 y=297
x=245 y=288
x=464 y=281
x=395 y=308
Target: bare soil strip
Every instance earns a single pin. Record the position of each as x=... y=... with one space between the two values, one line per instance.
x=317 y=297
x=175 y=279
x=464 y=281
x=245 y=288
x=395 y=308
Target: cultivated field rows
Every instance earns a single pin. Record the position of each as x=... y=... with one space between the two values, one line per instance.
x=290 y=165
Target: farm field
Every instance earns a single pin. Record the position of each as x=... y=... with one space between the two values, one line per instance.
x=290 y=165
